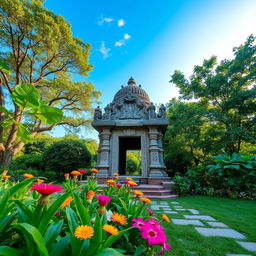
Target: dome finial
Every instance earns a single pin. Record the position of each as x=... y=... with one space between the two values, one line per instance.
x=131 y=81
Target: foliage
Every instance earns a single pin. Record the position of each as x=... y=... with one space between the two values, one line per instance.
x=41 y=51
x=133 y=162
x=66 y=155
x=28 y=161
x=43 y=222
x=216 y=109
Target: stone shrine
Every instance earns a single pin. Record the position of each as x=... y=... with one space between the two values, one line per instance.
x=130 y=122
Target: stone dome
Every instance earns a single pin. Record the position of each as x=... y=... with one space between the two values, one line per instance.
x=134 y=90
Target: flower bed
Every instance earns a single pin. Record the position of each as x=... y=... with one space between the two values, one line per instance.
x=72 y=219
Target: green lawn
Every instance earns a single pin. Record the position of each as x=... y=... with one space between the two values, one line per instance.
x=237 y=214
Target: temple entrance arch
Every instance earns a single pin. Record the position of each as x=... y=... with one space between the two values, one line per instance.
x=125 y=144
x=130 y=122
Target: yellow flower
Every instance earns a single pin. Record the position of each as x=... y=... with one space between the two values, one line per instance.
x=84 y=232
x=129 y=178
x=132 y=183
x=27 y=175
x=138 y=193
x=94 y=170
x=66 y=202
x=111 y=182
x=145 y=200
x=75 y=173
x=116 y=174
x=165 y=218
x=119 y=218
x=111 y=230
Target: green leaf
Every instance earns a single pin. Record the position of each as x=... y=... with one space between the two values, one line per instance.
x=5 y=68
x=82 y=211
x=26 y=95
x=51 y=211
x=34 y=236
x=108 y=252
x=23 y=133
x=50 y=115
x=52 y=233
x=7 y=112
x=140 y=249
x=59 y=248
x=9 y=251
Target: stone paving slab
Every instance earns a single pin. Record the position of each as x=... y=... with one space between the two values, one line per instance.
x=217 y=224
x=199 y=217
x=154 y=207
x=193 y=211
x=250 y=246
x=174 y=203
x=171 y=212
x=187 y=222
x=180 y=210
x=224 y=232
x=164 y=206
x=164 y=203
x=232 y=254
x=177 y=206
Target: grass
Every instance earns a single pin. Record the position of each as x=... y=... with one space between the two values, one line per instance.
x=239 y=215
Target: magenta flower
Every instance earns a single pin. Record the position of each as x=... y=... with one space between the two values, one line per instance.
x=153 y=234
x=82 y=171
x=139 y=223
x=119 y=185
x=126 y=181
x=103 y=200
x=155 y=223
x=56 y=213
x=46 y=189
x=164 y=247
x=150 y=212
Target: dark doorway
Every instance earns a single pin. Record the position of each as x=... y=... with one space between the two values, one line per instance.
x=127 y=143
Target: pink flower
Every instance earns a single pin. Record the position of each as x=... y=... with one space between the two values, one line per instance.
x=165 y=247
x=82 y=171
x=56 y=213
x=119 y=185
x=46 y=189
x=103 y=200
x=153 y=234
x=150 y=212
x=126 y=181
x=139 y=223
x=155 y=223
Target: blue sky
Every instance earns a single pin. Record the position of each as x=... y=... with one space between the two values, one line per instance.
x=149 y=39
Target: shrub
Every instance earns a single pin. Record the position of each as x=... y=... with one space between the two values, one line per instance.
x=28 y=161
x=65 y=156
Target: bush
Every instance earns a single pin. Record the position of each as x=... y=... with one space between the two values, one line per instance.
x=28 y=161
x=65 y=156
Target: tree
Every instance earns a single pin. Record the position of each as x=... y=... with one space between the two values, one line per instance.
x=41 y=50
x=226 y=94
x=65 y=156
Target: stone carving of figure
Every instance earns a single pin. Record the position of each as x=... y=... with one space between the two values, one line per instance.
x=107 y=114
x=140 y=110
x=97 y=113
x=152 y=111
x=162 y=112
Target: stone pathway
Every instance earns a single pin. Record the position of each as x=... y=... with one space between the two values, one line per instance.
x=204 y=224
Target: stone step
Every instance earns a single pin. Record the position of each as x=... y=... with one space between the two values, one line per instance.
x=153 y=192
x=166 y=197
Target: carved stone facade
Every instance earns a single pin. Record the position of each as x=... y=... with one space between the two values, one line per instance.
x=131 y=116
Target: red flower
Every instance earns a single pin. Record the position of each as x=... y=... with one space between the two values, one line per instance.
x=46 y=189
x=103 y=200
x=82 y=171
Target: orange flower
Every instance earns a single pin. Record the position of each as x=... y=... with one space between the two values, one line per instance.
x=165 y=218
x=90 y=194
x=84 y=232
x=66 y=175
x=6 y=177
x=75 y=173
x=5 y=172
x=129 y=178
x=66 y=202
x=145 y=200
x=119 y=218
x=111 y=230
x=138 y=193
x=40 y=181
x=116 y=174
x=94 y=170
x=27 y=175
x=132 y=183
x=111 y=182
x=116 y=177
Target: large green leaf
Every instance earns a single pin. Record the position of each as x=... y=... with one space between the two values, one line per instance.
x=108 y=252
x=52 y=233
x=9 y=251
x=82 y=211
x=26 y=95
x=34 y=236
x=59 y=247
x=5 y=68
x=50 y=115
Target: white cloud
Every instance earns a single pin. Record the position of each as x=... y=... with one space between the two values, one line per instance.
x=105 y=51
x=127 y=37
x=102 y=20
x=120 y=23
x=121 y=42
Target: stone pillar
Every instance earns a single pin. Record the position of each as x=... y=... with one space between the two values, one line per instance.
x=160 y=145
x=104 y=151
x=155 y=167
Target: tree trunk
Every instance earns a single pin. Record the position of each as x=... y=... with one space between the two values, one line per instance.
x=6 y=158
